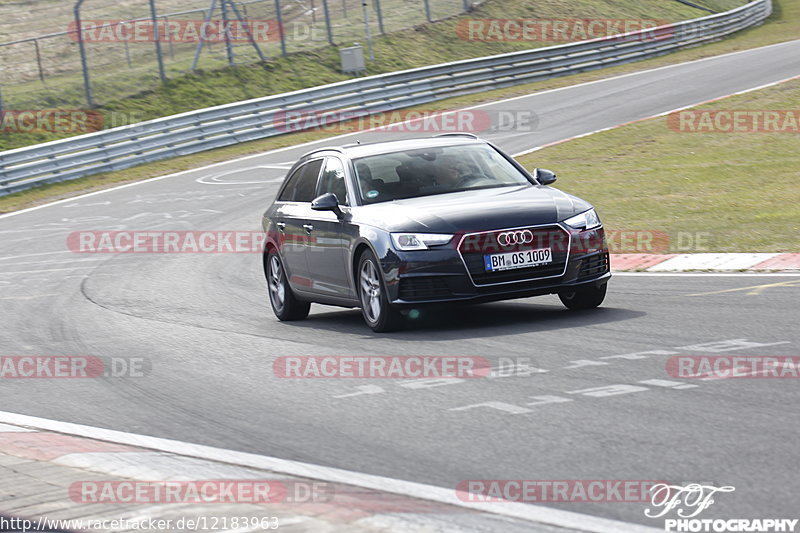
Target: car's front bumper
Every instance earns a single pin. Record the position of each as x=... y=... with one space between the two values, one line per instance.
x=438 y=276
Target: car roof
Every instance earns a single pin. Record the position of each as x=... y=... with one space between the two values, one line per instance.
x=361 y=150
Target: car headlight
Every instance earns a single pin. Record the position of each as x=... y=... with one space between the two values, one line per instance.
x=419 y=241
x=586 y=220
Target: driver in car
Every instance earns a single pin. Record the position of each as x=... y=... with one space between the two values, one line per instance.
x=450 y=172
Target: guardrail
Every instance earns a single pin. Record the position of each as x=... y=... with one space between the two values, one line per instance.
x=215 y=127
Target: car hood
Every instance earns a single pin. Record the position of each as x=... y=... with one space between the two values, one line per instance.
x=484 y=209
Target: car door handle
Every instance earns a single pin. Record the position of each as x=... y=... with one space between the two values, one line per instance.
x=308 y=227
x=281 y=225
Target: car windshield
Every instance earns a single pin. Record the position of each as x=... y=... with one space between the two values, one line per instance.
x=447 y=169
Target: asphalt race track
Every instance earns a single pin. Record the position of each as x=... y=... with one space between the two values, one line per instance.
x=203 y=323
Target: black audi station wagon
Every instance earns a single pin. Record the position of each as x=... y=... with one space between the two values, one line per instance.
x=391 y=226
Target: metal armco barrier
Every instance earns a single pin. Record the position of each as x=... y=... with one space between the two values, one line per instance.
x=196 y=131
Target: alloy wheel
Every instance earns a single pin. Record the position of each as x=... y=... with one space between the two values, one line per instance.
x=276 y=286
x=371 y=291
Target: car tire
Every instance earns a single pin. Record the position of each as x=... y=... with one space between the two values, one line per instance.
x=586 y=297
x=284 y=303
x=375 y=307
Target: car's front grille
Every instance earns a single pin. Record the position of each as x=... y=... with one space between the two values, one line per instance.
x=423 y=288
x=474 y=247
x=593 y=266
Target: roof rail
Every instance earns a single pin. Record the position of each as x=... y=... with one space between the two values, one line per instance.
x=324 y=149
x=459 y=134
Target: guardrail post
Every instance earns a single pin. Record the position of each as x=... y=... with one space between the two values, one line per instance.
x=280 y=26
x=466 y=5
x=157 y=39
x=87 y=82
x=428 y=10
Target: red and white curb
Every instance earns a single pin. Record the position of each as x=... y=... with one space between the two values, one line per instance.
x=733 y=262
x=151 y=458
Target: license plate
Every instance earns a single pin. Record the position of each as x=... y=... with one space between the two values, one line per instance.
x=527 y=258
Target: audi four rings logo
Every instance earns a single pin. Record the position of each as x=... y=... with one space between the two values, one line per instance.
x=515 y=237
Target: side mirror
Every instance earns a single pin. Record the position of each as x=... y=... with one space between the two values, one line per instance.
x=544 y=176
x=326 y=202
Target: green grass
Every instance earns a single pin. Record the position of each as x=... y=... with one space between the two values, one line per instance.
x=423 y=45
x=741 y=188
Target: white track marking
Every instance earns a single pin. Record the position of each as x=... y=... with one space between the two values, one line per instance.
x=328 y=139
x=664 y=113
x=46 y=263
x=32 y=229
x=4 y=298
x=523 y=511
x=629 y=74
x=46 y=270
x=5 y=428
x=36 y=254
x=214 y=179
x=711 y=261
x=706 y=274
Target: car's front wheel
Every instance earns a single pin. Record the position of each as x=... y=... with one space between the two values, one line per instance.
x=284 y=303
x=586 y=297
x=378 y=313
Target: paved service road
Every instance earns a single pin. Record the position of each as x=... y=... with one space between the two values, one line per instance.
x=204 y=325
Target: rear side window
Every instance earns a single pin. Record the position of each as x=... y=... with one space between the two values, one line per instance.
x=333 y=180
x=302 y=184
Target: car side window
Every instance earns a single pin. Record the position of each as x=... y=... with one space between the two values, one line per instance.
x=300 y=186
x=332 y=180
